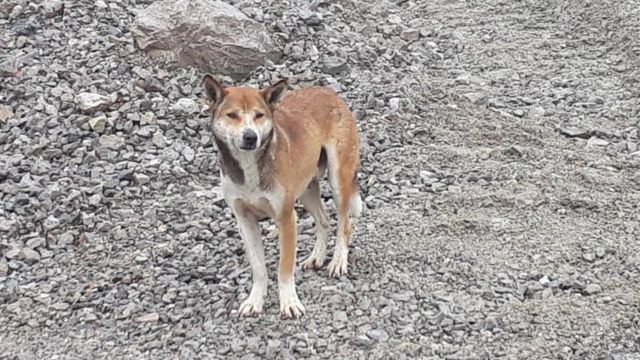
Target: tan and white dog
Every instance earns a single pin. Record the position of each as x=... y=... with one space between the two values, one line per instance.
x=273 y=150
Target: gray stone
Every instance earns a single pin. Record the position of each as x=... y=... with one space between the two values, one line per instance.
x=60 y=306
x=29 y=256
x=169 y=297
x=6 y=113
x=378 y=335
x=113 y=142
x=394 y=104
x=44 y=253
x=25 y=26
x=92 y=102
x=16 y=11
x=439 y=186
x=410 y=35
x=211 y=35
x=188 y=153
x=476 y=98
x=152 y=84
x=595 y=141
x=98 y=124
x=6 y=224
x=147 y=118
x=148 y=318
x=159 y=140
x=589 y=257
x=462 y=79
x=66 y=239
x=186 y=106
x=12 y=253
x=35 y=242
x=334 y=65
x=544 y=281
x=95 y=199
x=179 y=172
x=429 y=177
x=575 y=132
x=592 y=289
x=53 y=8
x=50 y=223
x=340 y=317
x=536 y=112
x=141 y=179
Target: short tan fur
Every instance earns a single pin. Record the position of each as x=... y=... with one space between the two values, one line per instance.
x=273 y=150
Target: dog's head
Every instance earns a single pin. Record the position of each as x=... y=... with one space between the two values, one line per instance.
x=242 y=116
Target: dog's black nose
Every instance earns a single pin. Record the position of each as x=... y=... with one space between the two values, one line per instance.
x=249 y=140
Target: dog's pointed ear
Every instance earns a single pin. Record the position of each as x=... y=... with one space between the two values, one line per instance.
x=215 y=92
x=274 y=93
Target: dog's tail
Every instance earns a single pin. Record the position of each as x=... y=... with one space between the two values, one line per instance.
x=346 y=191
x=356 y=207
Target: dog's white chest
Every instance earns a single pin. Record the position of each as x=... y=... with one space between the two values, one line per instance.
x=249 y=197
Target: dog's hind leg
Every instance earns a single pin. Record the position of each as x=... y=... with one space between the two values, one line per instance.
x=311 y=201
x=343 y=165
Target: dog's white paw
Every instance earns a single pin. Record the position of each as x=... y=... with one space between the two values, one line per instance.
x=291 y=307
x=338 y=265
x=251 y=306
x=313 y=262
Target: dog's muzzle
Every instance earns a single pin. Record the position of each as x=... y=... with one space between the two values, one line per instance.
x=249 y=140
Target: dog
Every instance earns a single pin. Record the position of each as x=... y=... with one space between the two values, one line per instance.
x=273 y=150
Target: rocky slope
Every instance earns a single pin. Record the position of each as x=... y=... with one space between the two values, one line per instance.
x=501 y=172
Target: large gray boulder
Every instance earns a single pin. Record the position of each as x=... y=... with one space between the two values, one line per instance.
x=210 y=35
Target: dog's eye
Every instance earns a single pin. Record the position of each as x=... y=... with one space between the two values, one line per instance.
x=259 y=115
x=232 y=115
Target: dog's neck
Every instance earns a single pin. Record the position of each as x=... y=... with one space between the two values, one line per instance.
x=253 y=168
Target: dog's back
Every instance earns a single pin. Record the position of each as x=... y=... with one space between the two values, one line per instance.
x=318 y=112
x=312 y=121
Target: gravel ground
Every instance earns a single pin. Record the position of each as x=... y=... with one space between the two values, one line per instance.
x=501 y=171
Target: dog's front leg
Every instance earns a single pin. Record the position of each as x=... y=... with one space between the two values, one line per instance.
x=290 y=305
x=250 y=233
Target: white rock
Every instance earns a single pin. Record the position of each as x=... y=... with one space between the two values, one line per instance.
x=91 y=101
x=410 y=35
x=186 y=106
x=29 y=255
x=113 y=142
x=148 y=118
x=188 y=153
x=536 y=112
x=6 y=113
x=152 y=317
x=594 y=141
x=52 y=7
x=476 y=97
x=141 y=179
x=50 y=223
x=98 y=124
x=6 y=224
x=159 y=140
